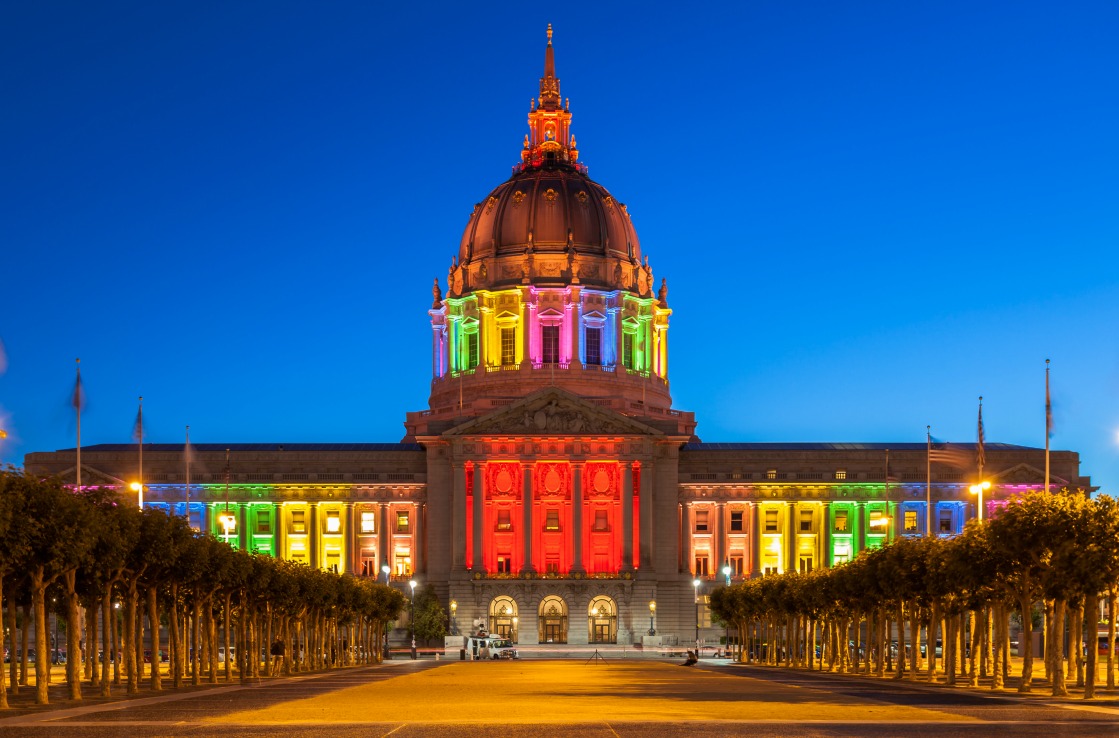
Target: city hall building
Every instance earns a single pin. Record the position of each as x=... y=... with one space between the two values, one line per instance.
x=550 y=488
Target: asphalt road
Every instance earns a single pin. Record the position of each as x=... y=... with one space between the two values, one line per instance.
x=537 y=698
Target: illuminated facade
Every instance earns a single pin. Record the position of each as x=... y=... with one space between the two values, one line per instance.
x=550 y=489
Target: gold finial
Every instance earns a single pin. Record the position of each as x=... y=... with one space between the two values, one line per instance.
x=549 y=34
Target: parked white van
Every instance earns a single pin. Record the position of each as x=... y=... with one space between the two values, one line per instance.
x=490 y=647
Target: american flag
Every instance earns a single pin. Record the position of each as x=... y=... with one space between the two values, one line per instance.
x=946 y=453
x=981 y=457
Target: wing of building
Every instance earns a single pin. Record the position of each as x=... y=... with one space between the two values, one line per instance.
x=550 y=489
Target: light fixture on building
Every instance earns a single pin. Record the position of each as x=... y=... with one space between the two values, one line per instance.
x=652 y=616
x=139 y=490
x=454 y=617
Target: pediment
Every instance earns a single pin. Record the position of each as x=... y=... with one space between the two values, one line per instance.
x=90 y=477
x=1027 y=474
x=553 y=412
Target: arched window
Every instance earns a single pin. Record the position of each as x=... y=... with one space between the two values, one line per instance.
x=602 y=620
x=553 y=620
x=503 y=617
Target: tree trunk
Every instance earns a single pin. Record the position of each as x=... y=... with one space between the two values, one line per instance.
x=89 y=655
x=196 y=641
x=226 y=614
x=915 y=639
x=1113 y=612
x=128 y=645
x=998 y=622
x=3 y=681
x=173 y=638
x=1026 y=644
x=73 y=638
x=900 y=671
x=1076 y=642
x=973 y=649
x=1091 y=607
x=139 y=637
x=13 y=676
x=1057 y=671
x=42 y=665
x=930 y=639
x=106 y=640
x=1047 y=638
x=153 y=624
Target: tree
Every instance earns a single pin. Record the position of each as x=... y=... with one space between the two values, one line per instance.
x=430 y=618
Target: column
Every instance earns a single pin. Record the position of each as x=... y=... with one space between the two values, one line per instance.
x=243 y=536
x=383 y=538
x=791 y=540
x=314 y=540
x=895 y=524
x=526 y=329
x=349 y=547
x=278 y=533
x=577 y=522
x=825 y=536
x=483 y=337
x=616 y=326
x=858 y=539
x=458 y=518
x=479 y=495
x=687 y=526
x=645 y=508
x=720 y=551
x=756 y=539
x=418 y=540
x=527 y=532
x=627 y=516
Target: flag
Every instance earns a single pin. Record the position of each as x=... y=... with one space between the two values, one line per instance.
x=77 y=399
x=138 y=426
x=981 y=457
x=946 y=453
x=1048 y=405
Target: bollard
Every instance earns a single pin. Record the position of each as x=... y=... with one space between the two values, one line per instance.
x=462 y=654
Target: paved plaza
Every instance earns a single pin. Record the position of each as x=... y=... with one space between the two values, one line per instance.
x=571 y=698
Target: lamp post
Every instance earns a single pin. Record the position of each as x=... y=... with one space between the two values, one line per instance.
x=139 y=490
x=412 y=616
x=652 y=615
x=695 y=586
x=979 y=489
x=454 y=617
x=385 y=570
x=726 y=573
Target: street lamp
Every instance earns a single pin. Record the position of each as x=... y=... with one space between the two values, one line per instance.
x=695 y=585
x=978 y=489
x=726 y=573
x=652 y=614
x=139 y=490
x=454 y=617
x=385 y=568
x=515 y=639
x=412 y=617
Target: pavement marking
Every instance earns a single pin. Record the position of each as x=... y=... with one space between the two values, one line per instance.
x=398 y=727
x=611 y=729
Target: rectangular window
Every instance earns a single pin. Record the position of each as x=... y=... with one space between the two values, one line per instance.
x=701 y=566
x=550 y=335
x=333 y=522
x=600 y=522
x=368 y=520
x=627 y=350
x=402 y=521
x=737 y=565
x=298 y=521
x=403 y=567
x=700 y=521
x=841 y=474
x=504 y=564
x=805 y=563
x=770 y=521
x=508 y=346
x=471 y=350
x=770 y=474
x=910 y=521
x=551 y=564
x=594 y=346
x=263 y=522
x=840 y=521
x=805 y=521
x=551 y=520
x=878 y=522
x=503 y=522
x=736 y=521
x=945 y=521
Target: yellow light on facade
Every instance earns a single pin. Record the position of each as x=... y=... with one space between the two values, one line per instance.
x=228 y=523
x=652 y=606
x=139 y=490
x=454 y=607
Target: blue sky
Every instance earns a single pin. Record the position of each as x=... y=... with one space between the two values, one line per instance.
x=869 y=214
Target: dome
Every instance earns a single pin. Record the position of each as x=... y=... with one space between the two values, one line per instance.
x=544 y=210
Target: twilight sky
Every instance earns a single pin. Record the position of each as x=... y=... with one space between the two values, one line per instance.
x=869 y=213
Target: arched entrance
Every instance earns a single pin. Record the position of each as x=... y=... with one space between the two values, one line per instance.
x=602 y=620
x=553 y=620
x=503 y=617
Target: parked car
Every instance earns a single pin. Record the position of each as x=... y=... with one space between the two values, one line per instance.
x=221 y=654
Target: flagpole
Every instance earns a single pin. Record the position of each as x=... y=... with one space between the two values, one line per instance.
x=981 y=454
x=890 y=522
x=78 y=408
x=140 y=447
x=928 y=481
x=1048 y=424
x=187 y=454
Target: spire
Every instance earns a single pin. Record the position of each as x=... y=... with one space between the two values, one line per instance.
x=549 y=85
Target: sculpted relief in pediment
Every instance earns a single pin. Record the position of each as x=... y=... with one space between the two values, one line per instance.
x=554 y=413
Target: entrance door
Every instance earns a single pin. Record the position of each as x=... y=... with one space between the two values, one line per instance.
x=553 y=620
